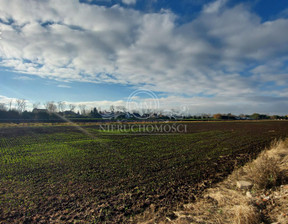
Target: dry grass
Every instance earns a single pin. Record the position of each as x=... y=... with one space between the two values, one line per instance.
x=264 y=172
x=227 y=204
x=269 y=169
x=220 y=205
x=245 y=214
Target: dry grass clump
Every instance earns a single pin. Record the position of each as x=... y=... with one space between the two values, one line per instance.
x=281 y=219
x=220 y=205
x=245 y=214
x=268 y=169
x=264 y=172
x=226 y=197
x=280 y=152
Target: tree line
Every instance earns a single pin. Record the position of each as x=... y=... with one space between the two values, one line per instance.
x=55 y=111
x=17 y=109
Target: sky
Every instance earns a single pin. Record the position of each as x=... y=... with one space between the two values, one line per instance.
x=201 y=56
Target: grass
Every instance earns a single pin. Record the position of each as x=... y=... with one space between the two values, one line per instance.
x=103 y=176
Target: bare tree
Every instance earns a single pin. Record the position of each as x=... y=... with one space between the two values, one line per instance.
x=50 y=106
x=3 y=107
x=72 y=107
x=82 y=108
x=121 y=108
x=112 y=108
x=20 y=105
x=36 y=105
x=61 y=106
x=24 y=105
x=10 y=104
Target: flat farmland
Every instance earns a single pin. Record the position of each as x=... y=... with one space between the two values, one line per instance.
x=83 y=174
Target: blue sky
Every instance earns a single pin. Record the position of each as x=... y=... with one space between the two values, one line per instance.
x=207 y=56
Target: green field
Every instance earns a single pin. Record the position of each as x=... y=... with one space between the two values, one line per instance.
x=69 y=173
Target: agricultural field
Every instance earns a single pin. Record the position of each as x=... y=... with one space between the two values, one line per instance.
x=87 y=174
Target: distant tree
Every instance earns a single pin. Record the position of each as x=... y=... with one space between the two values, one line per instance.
x=11 y=114
x=112 y=109
x=72 y=107
x=42 y=115
x=274 y=117
x=3 y=114
x=255 y=116
x=61 y=106
x=20 y=105
x=94 y=113
x=10 y=104
x=217 y=116
x=36 y=105
x=82 y=108
x=264 y=116
x=205 y=116
x=121 y=109
x=3 y=107
x=50 y=106
x=27 y=115
x=231 y=116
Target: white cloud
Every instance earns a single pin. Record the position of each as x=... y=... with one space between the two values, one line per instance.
x=24 y=78
x=90 y=43
x=129 y=2
x=63 y=86
x=214 y=7
x=6 y=100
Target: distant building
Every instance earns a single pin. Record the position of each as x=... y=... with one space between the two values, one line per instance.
x=69 y=113
x=35 y=110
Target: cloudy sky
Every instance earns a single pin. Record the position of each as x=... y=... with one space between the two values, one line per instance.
x=210 y=56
